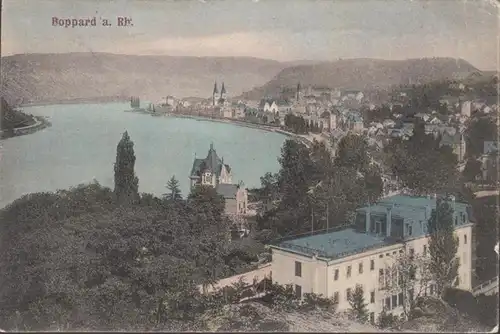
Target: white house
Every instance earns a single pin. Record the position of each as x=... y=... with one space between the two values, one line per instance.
x=333 y=263
x=269 y=106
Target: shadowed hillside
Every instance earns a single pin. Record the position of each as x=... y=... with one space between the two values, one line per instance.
x=39 y=78
x=364 y=74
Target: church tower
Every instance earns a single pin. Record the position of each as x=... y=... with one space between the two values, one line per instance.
x=215 y=92
x=223 y=92
x=298 y=93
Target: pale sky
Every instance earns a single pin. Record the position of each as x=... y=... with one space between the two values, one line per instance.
x=275 y=29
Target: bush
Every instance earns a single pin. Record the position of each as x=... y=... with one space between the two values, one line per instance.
x=312 y=301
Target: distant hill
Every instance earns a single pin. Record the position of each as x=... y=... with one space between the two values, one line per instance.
x=364 y=74
x=38 y=78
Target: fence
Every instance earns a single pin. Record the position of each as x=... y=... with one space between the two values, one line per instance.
x=485 y=286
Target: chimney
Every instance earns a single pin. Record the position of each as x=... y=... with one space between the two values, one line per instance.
x=367 y=220
x=428 y=212
x=389 y=221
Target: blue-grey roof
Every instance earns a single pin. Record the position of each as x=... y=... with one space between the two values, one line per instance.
x=417 y=210
x=334 y=244
x=414 y=210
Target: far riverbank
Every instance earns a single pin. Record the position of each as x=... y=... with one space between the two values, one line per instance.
x=305 y=139
x=40 y=123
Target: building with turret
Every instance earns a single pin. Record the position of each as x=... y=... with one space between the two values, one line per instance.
x=212 y=171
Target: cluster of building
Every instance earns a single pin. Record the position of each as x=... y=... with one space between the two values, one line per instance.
x=334 y=263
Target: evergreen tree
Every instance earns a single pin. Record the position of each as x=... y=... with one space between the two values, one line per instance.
x=174 y=191
x=358 y=305
x=352 y=151
x=126 y=182
x=443 y=245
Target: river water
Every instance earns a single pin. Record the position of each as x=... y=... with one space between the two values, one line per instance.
x=80 y=146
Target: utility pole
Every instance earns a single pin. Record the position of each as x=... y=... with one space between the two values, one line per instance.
x=312 y=220
x=327 y=222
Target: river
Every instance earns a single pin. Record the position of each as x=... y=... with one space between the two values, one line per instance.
x=80 y=146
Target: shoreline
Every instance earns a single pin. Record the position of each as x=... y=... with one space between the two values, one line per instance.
x=40 y=124
x=305 y=139
x=301 y=138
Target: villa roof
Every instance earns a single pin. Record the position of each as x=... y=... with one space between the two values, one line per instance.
x=333 y=245
x=211 y=163
x=341 y=243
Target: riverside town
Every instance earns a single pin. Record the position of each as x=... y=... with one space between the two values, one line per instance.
x=249 y=166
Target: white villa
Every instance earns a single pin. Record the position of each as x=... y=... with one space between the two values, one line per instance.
x=334 y=263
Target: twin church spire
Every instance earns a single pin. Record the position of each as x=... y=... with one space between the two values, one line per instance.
x=216 y=91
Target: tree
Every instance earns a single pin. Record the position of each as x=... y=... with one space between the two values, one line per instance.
x=443 y=245
x=472 y=170
x=352 y=151
x=174 y=191
x=358 y=306
x=293 y=183
x=422 y=164
x=386 y=320
x=480 y=129
x=126 y=182
x=409 y=276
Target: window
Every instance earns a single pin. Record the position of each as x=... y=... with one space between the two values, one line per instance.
x=381 y=256
x=425 y=250
x=298 y=269
x=348 y=274
x=400 y=251
x=298 y=291
x=381 y=278
x=400 y=299
x=400 y=279
x=394 y=253
x=410 y=294
x=456 y=220
x=348 y=293
x=336 y=297
x=394 y=301
x=410 y=229
x=412 y=253
x=463 y=217
x=372 y=297
x=372 y=318
x=465 y=239
x=372 y=264
x=336 y=275
x=431 y=289
x=360 y=268
x=388 y=303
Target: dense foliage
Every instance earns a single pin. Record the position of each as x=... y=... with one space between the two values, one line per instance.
x=11 y=118
x=314 y=191
x=422 y=165
x=81 y=260
x=443 y=245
